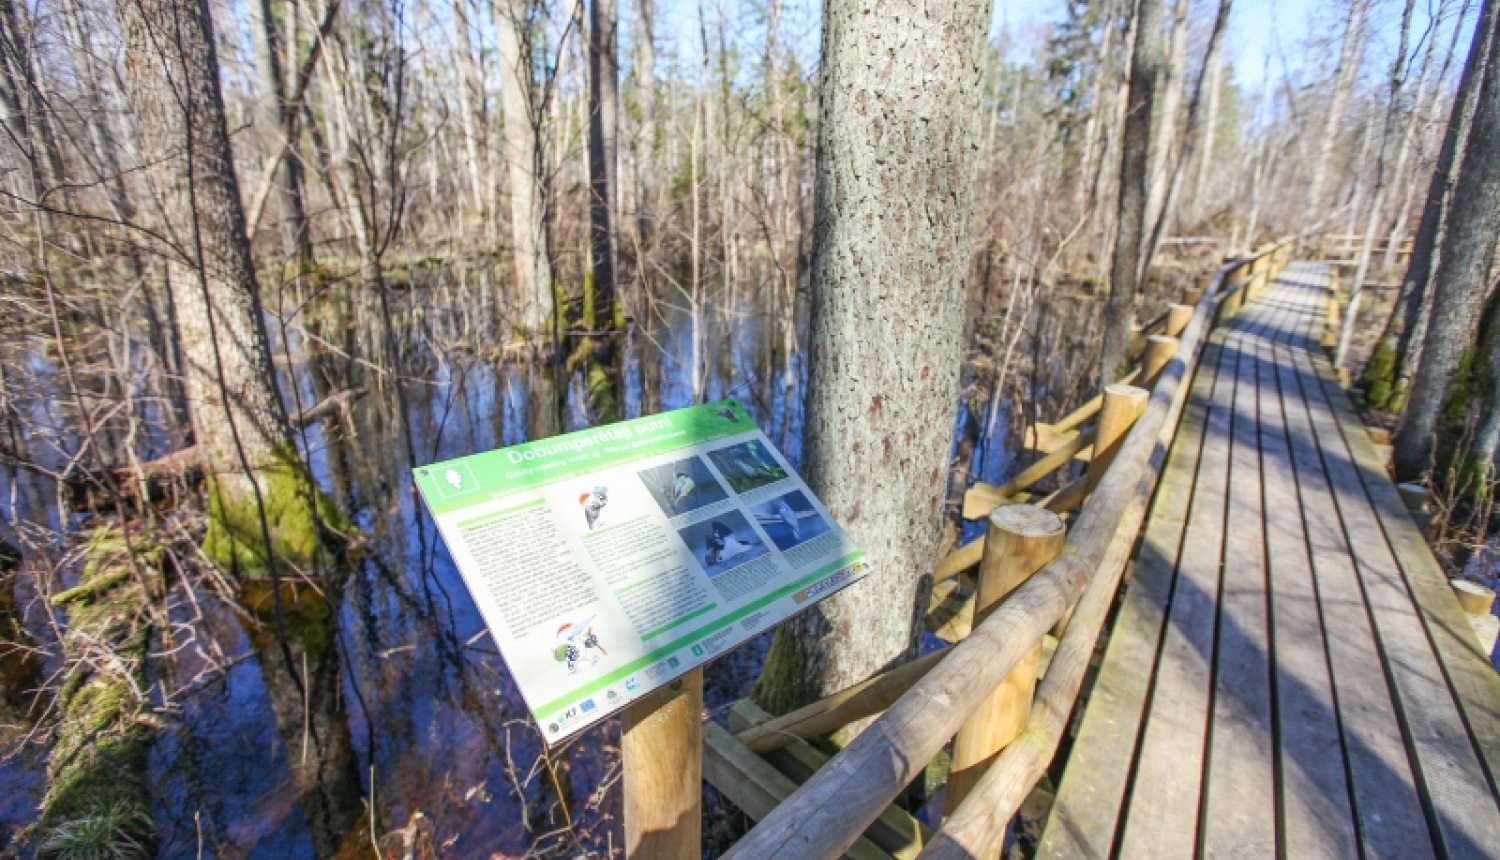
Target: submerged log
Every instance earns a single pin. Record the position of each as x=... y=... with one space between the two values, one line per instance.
x=98 y=803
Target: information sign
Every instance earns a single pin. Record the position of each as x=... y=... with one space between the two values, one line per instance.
x=610 y=561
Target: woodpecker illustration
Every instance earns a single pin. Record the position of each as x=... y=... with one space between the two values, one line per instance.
x=593 y=505
x=577 y=641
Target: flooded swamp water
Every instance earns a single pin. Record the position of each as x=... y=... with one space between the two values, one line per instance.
x=362 y=708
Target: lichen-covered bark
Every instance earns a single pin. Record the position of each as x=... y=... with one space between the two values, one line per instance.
x=1465 y=261
x=893 y=216
x=98 y=803
x=238 y=419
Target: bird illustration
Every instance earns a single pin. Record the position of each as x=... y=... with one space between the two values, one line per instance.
x=789 y=517
x=722 y=544
x=728 y=415
x=573 y=635
x=454 y=478
x=593 y=505
x=682 y=487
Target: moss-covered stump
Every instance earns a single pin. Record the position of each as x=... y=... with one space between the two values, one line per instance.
x=97 y=803
x=302 y=522
x=1379 y=377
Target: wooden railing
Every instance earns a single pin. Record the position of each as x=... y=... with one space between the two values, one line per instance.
x=1003 y=692
x=1345 y=249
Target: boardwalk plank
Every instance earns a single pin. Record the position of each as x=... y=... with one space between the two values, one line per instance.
x=1239 y=803
x=1084 y=816
x=1162 y=822
x=1386 y=802
x=1453 y=779
x=1313 y=782
x=1290 y=675
x=1468 y=668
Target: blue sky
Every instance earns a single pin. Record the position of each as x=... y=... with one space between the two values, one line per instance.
x=1308 y=31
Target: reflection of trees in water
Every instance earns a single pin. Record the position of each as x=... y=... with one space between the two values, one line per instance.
x=300 y=667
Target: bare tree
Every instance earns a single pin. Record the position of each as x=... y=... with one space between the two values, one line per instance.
x=1465 y=260
x=893 y=207
x=1394 y=361
x=1147 y=69
x=261 y=496
x=1343 y=83
x=526 y=157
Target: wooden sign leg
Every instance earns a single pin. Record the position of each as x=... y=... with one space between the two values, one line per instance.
x=661 y=751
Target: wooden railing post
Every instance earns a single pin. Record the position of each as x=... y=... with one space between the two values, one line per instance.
x=661 y=752
x=1159 y=351
x=1021 y=539
x=1122 y=405
x=1178 y=317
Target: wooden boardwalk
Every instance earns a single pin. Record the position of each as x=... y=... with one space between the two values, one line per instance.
x=1289 y=674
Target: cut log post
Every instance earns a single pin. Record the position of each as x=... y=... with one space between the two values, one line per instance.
x=1021 y=539
x=1159 y=351
x=1178 y=316
x=1473 y=597
x=1122 y=405
x=661 y=752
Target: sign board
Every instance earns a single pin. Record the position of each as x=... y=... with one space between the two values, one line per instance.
x=610 y=561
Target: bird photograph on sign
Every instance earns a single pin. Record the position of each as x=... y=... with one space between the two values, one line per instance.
x=684 y=486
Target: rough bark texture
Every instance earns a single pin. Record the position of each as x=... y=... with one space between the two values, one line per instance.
x=238 y=419
x=1342 y=84
x=525 y=158
x=1462 y=275
x=893 y=212
x=1149 y=58
x=1407 y=326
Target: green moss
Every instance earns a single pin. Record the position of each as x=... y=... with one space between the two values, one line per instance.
x=785 y=682
x=97 y=802
x=300 y=518
x=1379 y=378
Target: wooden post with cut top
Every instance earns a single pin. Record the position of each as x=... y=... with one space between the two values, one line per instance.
x=661 y=753
x=1021 y=539
x=1178 y=317
x=1122 y=405
x=1159 y=351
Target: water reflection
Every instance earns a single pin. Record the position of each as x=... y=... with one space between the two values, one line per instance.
x=363 y=704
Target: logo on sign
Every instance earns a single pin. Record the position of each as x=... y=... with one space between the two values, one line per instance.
x=827 y=584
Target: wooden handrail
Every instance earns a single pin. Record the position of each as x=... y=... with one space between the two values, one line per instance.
x=824 y=817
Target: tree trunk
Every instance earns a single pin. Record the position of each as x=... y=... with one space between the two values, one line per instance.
x=604 y=365
x=645 y=95
x=893 y=230
x=1146 y=70
x=1190 y=135
x=260 y=492
x=296 y=241
x=1377 y=198
x=1343 y=82
x=1165 y=138
x=1212 y=83
x=526 y=158
x=1464 y=262
x=1399 y=350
